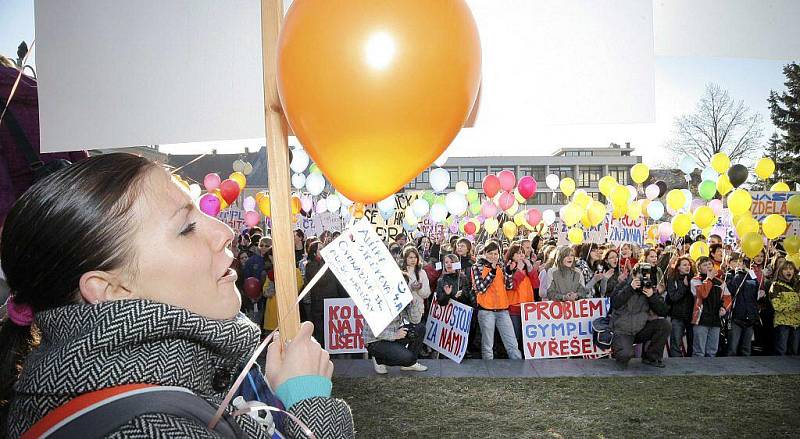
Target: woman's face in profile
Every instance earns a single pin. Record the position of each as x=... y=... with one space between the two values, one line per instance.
x=182 y=254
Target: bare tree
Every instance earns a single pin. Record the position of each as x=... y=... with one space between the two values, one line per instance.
x=719 y=124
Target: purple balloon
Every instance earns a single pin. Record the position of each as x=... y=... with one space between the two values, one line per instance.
x=249 y=203
x=209 y=204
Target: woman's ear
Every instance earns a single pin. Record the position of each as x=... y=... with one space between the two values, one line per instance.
x=101 y=286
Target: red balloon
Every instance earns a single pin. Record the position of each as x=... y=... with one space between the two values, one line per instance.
x=491 y=185
x=229 y=190
x=506 y=200
x=527 y=186
x=533 y=217
x=470 y=228
x=507 y=180
x=252 y=288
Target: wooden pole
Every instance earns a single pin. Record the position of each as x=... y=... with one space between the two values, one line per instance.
x=278 y=174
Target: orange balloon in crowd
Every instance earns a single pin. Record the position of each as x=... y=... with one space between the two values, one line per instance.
x=374 y=90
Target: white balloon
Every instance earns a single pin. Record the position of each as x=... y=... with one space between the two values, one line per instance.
x=322 y=206
x=552 y=181
x=439 y=179
x=333 y=203
x=687 y=165
x=387 y=204
x=420 y=207
x=346 y=202
x=655 y=210
x=298 y=181
x=299 y=160
x=238 y=165
x=456 y=203
x=709 y=174
x=386 y=214
x=442 y=159
x=688 y=194
x=548 y=217
x=315 y=183
x=651 y=191
x=438 y=213
x=633 y=193
x=248 y=169
x=462 y=187
x=344 y=212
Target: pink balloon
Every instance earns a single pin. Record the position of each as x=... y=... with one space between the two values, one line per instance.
x=533 y=217
x=209 y=205
x=506 y=200
x=697 y=203
x=306 y=204
x=716 y=206
x=488 y=209
x=507 y=180
x=251 y=218
x=527 y=186
x=665 y=230
x=212 y=181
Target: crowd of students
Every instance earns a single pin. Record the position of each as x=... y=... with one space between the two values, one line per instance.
x=721 y=304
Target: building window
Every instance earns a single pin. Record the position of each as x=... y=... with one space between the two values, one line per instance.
x=540 y=199
x=473 y=175
x=537 y=172
x=497 y=169
x=559 y=199
x=578 y=153
x=424 y=178
x=626 y=153
x=563 y=171
x=620 y=173
x=588 y=176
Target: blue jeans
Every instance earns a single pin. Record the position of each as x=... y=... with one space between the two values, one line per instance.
x=706 y=341
x=679 y=328
x=489 y=320
x=739 y=336
x=787 y=340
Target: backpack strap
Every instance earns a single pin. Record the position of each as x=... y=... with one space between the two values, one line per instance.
x=23 y=145
x=99 y=413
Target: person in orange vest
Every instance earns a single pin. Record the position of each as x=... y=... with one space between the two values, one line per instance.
x=526 y=279
x=492 y=279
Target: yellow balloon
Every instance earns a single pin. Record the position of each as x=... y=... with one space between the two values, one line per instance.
x=491 y=225
x=264 y=206
x=792 y=244
x=698 y=249
x=596 y=213
x=297 y=205
x=575 y=235
x=606 y=185
x=639 y=173
x=793 y=204
x=774 y=225
x=477 y=225
x=704 y=217
x=724 y=185
x=260 y=195
x=509 y=229
x=765 y=168
x=572 y=214
x=222 y=203
x=518 y=218
x=634 y=210
x=746 y=225
x=794 y=259
x=681 y=224
x=739 y=201
x=780 y=187
x=619 y=211
x=620 y=195
x=567 y=186
x=585 y=219
x=752 y=244
x=676 y=200
x=720 y=162
x=581 y=198
x=239 y=178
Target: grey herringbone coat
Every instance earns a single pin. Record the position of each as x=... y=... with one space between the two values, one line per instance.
x=90 y=347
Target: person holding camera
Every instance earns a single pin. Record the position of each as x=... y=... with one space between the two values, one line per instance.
x=743 y=285
x=712 y=300
x=681 y=305
x=631 y=304
x=399 y=344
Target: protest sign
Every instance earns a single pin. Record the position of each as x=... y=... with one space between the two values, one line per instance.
x=560 y=329
x=366 y=269
x=768 y=203
x=319 y=222
x=233 y=217
x=387 y=228
x=343 y=323
x=594 y=235
x=447 y=329
x=626 y=231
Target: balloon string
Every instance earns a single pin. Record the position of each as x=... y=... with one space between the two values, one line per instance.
x=16 y=81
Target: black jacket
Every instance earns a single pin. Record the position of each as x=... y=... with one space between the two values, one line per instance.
x=744 y=291
x=680 y=299
x=630 y=309
x=458 y=282
x=328 y=287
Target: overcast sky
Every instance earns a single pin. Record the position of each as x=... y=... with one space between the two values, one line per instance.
x=526 y=123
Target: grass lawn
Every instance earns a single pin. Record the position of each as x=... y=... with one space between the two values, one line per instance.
x=638 y=407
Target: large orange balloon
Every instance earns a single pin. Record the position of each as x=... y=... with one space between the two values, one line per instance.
x=376 y=90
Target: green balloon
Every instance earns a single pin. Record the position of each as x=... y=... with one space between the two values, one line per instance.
x=472 y=195
x=428 y=196
x=314 y=169
x=707 y=189
x=475 y=208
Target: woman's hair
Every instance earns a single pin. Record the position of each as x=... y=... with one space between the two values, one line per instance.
x=491 y=246
x=313 y=250
x=647 y=252
x=466 y=242
x=512 y=250
x=76 y=220
x=549 y=257
x=700 y=261
x=407 y=251
x=672 y=272
x=452 y=257
x=786 y=264
x=562 y=253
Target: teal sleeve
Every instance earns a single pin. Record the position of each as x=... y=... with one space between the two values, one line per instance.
x=303 y=387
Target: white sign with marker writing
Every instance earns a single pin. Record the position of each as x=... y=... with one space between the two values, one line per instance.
x=366 y=269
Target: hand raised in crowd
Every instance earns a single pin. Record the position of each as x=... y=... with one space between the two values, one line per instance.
x=623 y=275
x=571 y=295
x=536 y=265
x=661 y=288
x=636 y=283
x=712 y=273
x=598 y=276
x=458 y=294
x=512 y=266
x=448 y=289
x=401 y=334
x=299 y=357
x=647 y=292
x=609 y=273
x=722 y=311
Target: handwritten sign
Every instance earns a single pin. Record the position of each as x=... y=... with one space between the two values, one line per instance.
x=560 y=329
x=343 y=323
x=447 y=329
x=366 y=269
x=626 y=231
x=768 y=203
x=387 y=228
x=319 y=222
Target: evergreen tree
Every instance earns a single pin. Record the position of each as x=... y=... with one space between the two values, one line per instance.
x=785 y=114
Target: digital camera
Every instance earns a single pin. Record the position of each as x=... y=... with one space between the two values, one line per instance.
x=647 y=273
